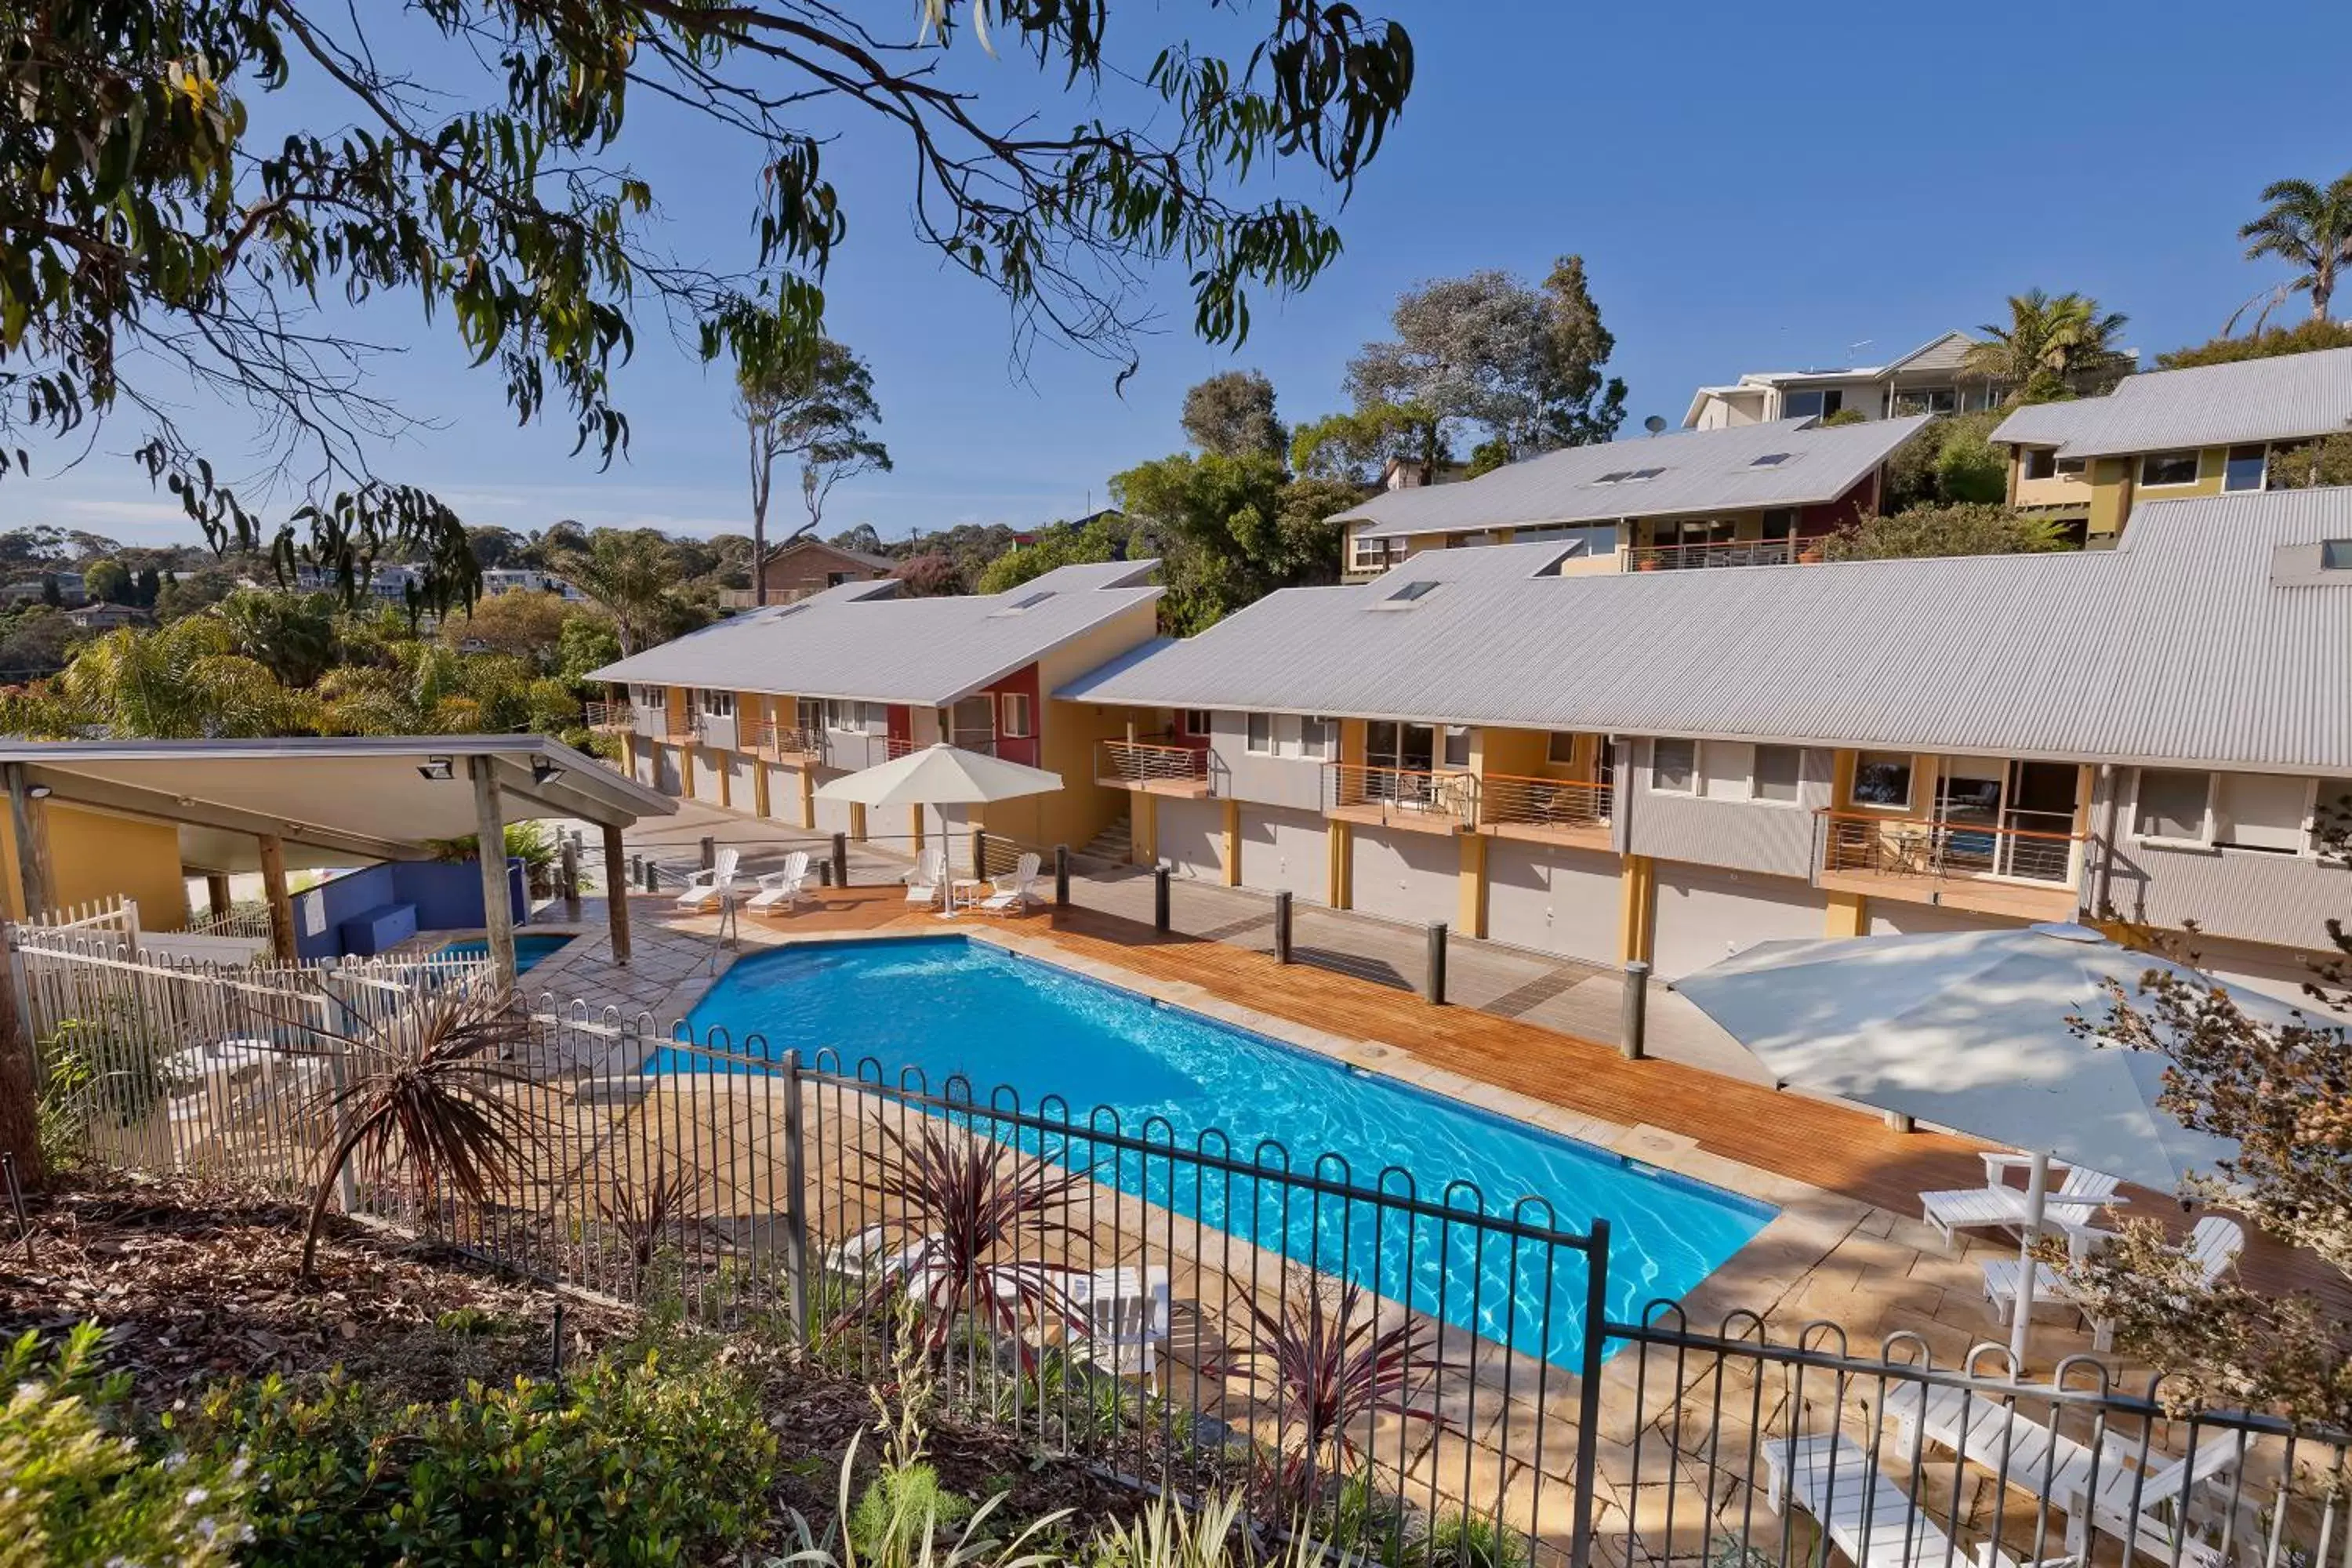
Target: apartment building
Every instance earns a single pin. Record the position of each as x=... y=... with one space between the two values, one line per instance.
x=753 y=713
x=2172 y=435
x=1766 y=494
x=1927 y=380
x=1672 y=767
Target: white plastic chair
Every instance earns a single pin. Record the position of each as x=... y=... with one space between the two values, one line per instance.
x=1997 y=1206
x=1126 y=1315
x=927 y=877
x=708 y=886
x=782 y=890
x=1012 y=894
x=2214 y=1242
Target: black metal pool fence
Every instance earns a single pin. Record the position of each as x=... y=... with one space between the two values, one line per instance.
x=1420 y=1375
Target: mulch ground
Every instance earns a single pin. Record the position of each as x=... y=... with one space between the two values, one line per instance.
x=194 y=1284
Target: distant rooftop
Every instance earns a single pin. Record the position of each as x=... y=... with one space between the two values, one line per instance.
x=2289 y=397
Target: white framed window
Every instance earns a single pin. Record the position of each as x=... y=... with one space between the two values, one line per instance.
x=1015 y=724
x=2261 y=812
x=1726 y=770
x=1457 y=745
x=2160 y=468
x=1318 y=738
x=1260 y=742
x=849 y=718
x=2247 y=468
x=1882 y=781
x=717 y=704
x=1673 y=767
x=650 y=696
x=1196 y=722
x=2173 y=805
x=808 y=713
x=1559 y=748
x=1780 y=773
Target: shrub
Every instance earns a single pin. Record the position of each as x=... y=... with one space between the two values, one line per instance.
x=628 y=1462
x=1924 y=530
x=74 y=1491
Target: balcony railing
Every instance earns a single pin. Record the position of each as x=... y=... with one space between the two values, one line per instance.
x=2033 y=846
x=610 y=718
x=1505 y=799
x=1413 y=796
x=1145 y=763
x=1727 y=552
x=896 y=746
x=778 y=741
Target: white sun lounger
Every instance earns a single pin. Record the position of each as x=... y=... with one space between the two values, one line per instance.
x=927 y=876
x=2121 y=1499
x=1865 y=1512
x=708 y=886
x=2214 y=1242
x=782 y=890
x=1127 y=1316
x=1997 y=1206
x=1012 y=894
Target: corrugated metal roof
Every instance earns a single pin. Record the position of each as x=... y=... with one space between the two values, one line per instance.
x=2288 y=397
x=1699 y=471
x=923 y=652
x=2176 y=646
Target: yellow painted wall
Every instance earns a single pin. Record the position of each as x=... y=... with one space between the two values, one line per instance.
x=96 y=855
x=1470 y=915
x=1637 y=910
x=1849 y=915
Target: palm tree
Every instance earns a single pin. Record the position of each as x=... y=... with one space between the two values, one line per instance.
x=630 y=573
x=2307 y=227
x=2052 y=346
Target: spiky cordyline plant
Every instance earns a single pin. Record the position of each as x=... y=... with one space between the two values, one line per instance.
x=422 y=1090
x=1324 y=1362
x=980 y=1219
x=642 y=1209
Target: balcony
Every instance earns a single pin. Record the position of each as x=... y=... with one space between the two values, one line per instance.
x=1422 y=800
x=610 y=718
x=1152 y=768
x=1546 y=811
x=782 y=743
x=2024 y=867
x=1725 y=553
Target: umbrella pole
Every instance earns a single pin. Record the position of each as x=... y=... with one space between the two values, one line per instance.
x=2037 y=1194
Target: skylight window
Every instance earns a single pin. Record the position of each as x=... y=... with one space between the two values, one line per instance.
x=1768 y=460
x=1410 y=592
x=2336 y=555
x=1027 y=601
x=1619 y=477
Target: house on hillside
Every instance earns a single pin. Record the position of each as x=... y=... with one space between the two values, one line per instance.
x=809 y=566
x=2170 y=435
x=753 y=713
x=1755 y=495
x=1927 y=380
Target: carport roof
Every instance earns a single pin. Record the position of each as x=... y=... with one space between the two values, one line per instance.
x=361 y=795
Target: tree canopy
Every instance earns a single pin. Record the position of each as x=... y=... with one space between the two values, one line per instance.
x=1233 y=414
x=2309 y=228
x=1515 y=368
x=815 y=408
x=2053 y=346
x=1965 y=528
x=2304 y=337
x=200 y=194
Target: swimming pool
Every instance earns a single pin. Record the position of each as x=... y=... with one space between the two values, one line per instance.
x=947 y=1006
x=530 y=949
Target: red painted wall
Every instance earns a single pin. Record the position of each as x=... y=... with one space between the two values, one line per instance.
x=1849 y=508
x=899 y=724
x=1024 y=750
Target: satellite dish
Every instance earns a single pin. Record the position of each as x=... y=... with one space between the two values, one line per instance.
x=1655 y=423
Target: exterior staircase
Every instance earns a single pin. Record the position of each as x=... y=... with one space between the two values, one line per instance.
x=1113 y=844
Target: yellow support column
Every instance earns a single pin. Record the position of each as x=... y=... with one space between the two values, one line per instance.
x=1143 y=835
x=1232 y=844
x=857 y=821
x=726 y=770
x=915 y=828
x=760 y=787
x=628 y=755
x=1342 y=880
x=1849 y=915
x=1637 y=908
x=808 y=797
x=685 y=770
x=1470 y=918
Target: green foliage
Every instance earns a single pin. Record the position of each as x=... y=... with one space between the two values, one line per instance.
x=1969 y=469
x=2053 y=347
x=1846 y=416
x=2305 y=337
x=929 y=576
x=190 y=180
x=2326 y=461
x=1356 y=446
x=1917 y=474
x=1056 y=545
x=1231 y=415
x=107 y=580
x=1231 y=530
x=628 y=1462
x=901 y=1504
x=77 y=1491
x=586 y=642
x=2308 y=226
x=1962 y=529
x=635 y=576
x=810 y=404
x=293 y=635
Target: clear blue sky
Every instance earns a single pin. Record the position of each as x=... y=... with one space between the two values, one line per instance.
x=1752 y=186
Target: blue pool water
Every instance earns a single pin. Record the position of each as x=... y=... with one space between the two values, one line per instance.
x=529 y=950
x=945 y=1007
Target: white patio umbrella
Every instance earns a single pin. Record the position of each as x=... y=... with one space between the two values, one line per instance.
x=941 y=774
x=1969 y=1031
